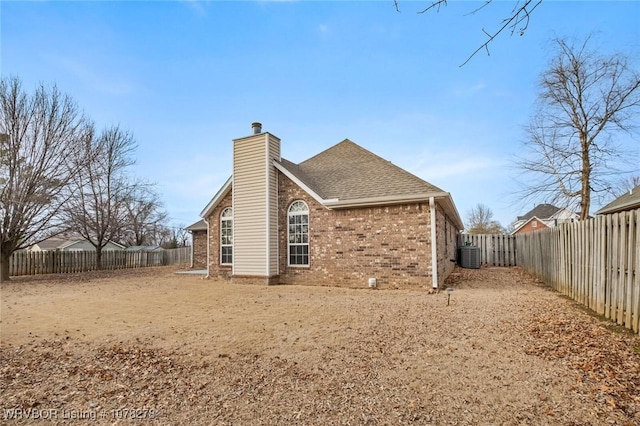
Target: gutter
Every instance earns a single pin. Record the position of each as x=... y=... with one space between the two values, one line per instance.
x=191 y=265
x=372 y=201
x=208 y=248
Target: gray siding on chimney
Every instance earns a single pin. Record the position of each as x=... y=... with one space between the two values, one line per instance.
x=274 y=153
x=254 y=199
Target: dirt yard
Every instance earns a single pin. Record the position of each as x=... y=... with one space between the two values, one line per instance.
x=161 y=348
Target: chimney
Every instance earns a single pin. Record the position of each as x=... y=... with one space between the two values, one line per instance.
x=255 y=205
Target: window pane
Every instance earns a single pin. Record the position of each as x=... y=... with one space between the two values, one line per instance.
x=298 y=220
x=226 y=237
x=226 y=255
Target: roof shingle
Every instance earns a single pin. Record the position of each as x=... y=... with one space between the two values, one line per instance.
x=347 y=171
x=627 y=201
x=541 y=211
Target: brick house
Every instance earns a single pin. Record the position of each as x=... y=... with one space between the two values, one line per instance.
x=543 y=216
x=339 y=218
x=198 y=232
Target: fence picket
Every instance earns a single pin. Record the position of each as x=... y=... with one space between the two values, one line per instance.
x=596 y=262
x=495 y=250
x=635 y=304
x=629 y=271
x=64 y=262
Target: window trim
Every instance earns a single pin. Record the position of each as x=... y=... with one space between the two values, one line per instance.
x=291 y=214
x=224 y=218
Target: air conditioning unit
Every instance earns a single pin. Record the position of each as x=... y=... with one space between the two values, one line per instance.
x=469 y=257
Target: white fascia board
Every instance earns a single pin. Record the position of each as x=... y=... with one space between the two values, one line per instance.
x=302 y=185
x=629 y=205
x=116 y=244
x=373 y=201
x=67 y=244
x=441 y=197
x=216 y=198
x=451 y=208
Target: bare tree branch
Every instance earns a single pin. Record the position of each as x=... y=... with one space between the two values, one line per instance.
x=480 y=221
x=41 y=133
x=101 y=189
x=517 y=21
x=587 y=101
x=143 y=214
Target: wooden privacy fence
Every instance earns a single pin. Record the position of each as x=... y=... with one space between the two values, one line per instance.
x=595 y=262
x=495 y=249
x=61 y=262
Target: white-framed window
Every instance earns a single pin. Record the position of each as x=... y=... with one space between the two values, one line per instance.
x=226 y=236
x=298 y=219
x=534 y=224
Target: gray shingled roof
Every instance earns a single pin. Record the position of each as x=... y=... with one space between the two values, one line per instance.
x=53 y=243
x=541 y=211
x=200 y=225
x=347 y=171
x=627 y=201
x=348 y=175
x=304 y=177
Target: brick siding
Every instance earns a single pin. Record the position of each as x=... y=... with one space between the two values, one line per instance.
x=215 y=269
x=447 y=245
x=529 y=227
x=199 y=249
x=349 y=246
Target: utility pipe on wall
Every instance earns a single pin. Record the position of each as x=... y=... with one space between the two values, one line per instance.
x=208 y=247
x=434 y=245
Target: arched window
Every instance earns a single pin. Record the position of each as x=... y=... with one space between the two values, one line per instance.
x=298 y=234
x=226 y=236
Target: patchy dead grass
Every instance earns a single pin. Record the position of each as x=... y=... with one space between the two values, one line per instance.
x=506 y=350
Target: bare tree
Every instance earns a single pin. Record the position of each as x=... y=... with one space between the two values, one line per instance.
x=101 y=188
x=159 y=234
x=480 y=221
x=575 y=149
x=515 y=22
x=144 y=214
x=182 y=235
x=625 y=185
x=40 y=134
x=178 y=236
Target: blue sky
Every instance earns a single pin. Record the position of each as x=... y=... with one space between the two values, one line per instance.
x=187 y=77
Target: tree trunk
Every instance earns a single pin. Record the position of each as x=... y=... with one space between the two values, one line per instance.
x=585 y=180
x=4 y=267
x=98 y=258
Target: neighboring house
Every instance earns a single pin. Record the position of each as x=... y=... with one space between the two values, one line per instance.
x=140 y=252
x=339 y=218
x=144 y=248
x=199 y=244
x=541 y=217
x=627 y=201
x=71 y=244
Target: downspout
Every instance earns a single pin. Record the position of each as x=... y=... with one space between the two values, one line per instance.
x=208 y=249
x=434 y=248
x=191 y=265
